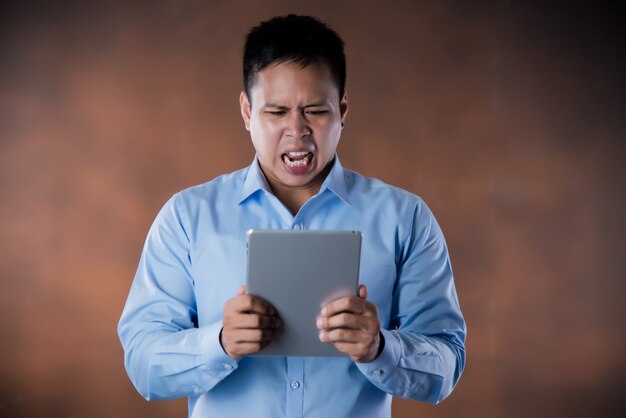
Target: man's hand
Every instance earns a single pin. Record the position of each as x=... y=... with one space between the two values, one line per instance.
x=249 y=324
x=351 y=325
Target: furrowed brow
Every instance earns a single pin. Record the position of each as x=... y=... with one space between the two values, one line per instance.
x=316 y=104
x=276 y=106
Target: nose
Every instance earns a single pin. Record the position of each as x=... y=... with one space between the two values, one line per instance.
x=297 y=125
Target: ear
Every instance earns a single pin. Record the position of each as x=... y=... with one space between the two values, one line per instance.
x=244 y=105
x=343 y=107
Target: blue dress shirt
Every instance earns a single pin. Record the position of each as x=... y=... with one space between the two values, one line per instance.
x=194 y=261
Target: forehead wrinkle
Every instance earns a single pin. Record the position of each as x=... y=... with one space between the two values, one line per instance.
x=287 y=85
x=314 y=104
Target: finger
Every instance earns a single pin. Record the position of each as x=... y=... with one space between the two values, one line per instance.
x=249 y=303
x=347 y=348
x=255 y=321
x=241 y=290
x=243 y=349
x=351 y=349
x=352 y=304
x=363 y=291
x=345 y=320
x=357 y=352
x=252 y=335
x=346 y=335
x=238 y=343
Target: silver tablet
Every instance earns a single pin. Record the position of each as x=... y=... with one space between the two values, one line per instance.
x=299 y=272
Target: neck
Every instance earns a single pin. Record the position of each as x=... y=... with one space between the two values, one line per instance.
x=295 y=197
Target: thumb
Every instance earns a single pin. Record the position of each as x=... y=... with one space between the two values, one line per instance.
x=363 y=291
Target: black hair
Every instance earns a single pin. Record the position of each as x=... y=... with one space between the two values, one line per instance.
x=304 y=40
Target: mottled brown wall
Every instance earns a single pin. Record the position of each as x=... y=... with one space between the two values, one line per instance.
x=508 y=119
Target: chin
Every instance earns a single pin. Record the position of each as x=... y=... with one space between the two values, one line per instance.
x=301 y=180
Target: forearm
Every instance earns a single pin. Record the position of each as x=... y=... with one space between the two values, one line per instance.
x=166 y=365
x=424 y=356
x=418 y=367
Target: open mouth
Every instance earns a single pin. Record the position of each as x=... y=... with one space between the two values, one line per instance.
x=297 y=159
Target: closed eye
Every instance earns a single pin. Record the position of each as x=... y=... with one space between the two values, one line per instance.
x=317 y=112
x=276 y=112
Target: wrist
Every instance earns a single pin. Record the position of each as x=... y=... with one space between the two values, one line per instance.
x=375 y=350
x=220 y=340
x=381 y=345
x=236 y=358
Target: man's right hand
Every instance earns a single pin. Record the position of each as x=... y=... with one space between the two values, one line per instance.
x=249 y=324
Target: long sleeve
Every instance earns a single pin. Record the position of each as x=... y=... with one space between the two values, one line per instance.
x=193 y=262
x=166 y=355
x=424 y=352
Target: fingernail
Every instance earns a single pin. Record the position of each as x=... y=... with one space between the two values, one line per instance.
x=323 y=311
x=322 y=336
x=319 y=323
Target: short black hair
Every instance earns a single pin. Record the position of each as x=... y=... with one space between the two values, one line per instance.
x=304 y=40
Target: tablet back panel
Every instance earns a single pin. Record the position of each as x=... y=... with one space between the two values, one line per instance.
x=298 y=272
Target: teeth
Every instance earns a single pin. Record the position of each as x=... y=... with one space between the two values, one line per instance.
x=297 y=163
x=297 y=154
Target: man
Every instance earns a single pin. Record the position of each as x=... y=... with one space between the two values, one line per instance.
x=188 y=327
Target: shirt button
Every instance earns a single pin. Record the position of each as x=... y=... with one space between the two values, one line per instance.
x=377 y=372
x=296 y=226
x=295 y=384
x=228 y=366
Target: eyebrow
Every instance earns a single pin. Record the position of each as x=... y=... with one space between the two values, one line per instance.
x=269 y=104
x=316 y=104
x=277 y=106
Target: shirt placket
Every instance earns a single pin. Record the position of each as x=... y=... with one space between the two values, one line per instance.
x=295 y=387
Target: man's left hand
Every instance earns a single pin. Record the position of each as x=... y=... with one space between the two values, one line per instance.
x=351 y=325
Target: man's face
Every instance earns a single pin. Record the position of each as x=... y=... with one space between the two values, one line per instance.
x=294 y=117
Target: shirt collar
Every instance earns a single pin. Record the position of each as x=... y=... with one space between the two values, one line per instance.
x=336 y=182
x=255 y=181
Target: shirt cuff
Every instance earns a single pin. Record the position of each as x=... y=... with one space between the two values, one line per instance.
x=216 y=361
x=382 y=367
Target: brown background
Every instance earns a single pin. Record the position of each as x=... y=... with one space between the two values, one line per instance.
x=506 y=117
